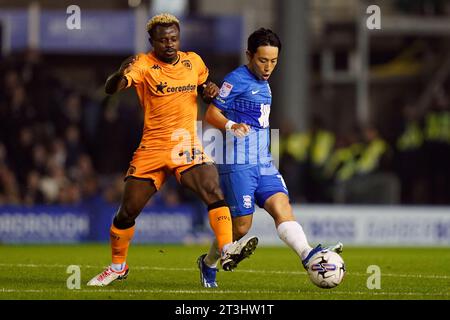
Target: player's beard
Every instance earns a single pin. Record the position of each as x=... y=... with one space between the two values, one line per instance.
x=169 y=57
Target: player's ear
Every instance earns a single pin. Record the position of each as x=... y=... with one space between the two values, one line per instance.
x=249 y=55
x=150 y=40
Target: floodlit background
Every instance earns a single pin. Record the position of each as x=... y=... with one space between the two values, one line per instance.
x=364 y=116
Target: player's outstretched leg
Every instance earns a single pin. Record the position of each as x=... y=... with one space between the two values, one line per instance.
x=238 y=251
x=136 y=194
x=290 y=231
x=338 y=248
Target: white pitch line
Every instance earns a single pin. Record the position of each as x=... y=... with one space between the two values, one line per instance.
x=21 y=265
x=216 y=292
x=6 y=290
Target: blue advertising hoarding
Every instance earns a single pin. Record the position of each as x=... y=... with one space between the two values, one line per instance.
x=220 y=34
x=74 y=224
x=42 y=224
x=114 y=32
x=101 y=31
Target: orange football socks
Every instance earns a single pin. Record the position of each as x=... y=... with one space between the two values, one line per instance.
x=120 y=241
x=220 y=221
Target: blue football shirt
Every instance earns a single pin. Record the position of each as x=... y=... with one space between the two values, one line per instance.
x=244 y=98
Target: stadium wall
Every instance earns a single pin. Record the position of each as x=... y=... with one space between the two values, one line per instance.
x=353 y=225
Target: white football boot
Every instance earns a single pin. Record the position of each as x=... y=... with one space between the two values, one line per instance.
x=108 y=276
x=238 y=251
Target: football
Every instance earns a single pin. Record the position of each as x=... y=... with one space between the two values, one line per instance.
x=326 y=269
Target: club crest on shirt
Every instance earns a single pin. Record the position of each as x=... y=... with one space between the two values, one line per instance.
x=131 y=170
x=187 y=64
x=247 y=201
x=225 y=89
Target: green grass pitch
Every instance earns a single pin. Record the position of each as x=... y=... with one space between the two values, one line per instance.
x=169 y=272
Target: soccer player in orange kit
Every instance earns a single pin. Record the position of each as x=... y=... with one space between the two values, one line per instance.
x=167 y=82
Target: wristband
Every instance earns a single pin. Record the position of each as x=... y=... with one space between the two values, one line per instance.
x=229 y=124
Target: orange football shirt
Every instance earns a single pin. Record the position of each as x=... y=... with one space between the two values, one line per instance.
x=168 y=96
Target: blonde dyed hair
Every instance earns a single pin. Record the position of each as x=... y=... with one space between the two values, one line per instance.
x=162 y=19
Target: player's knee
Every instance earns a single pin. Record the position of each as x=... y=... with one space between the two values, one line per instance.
x=127 y=213
x=240 y=230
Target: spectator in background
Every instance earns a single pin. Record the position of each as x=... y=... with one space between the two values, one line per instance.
x=85 y=176
x=111 y=138
x=83 y=168
x=321 y=146
x=32 y=193
x=40 y=159
x=437 y=148
x=53 y=182
x=70 y=113
x=21 y=153
x=31 y=69
x=74 y=146
x=112 y=191
x=69 y=193
x=37 y=81
x=370 y=180
x=341 y=166
x=376 y=154
x=374 y=181
x=19 y=114
x=91 y=117
x=11 y=80
x=89 y=187
x=9 y=189
x=294 y=147
x=58 y=152
x=3 y=154
x=410 y=158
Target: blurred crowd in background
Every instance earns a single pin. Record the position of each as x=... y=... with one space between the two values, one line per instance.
x=62 y=146
x=63 y=141
x=361 y=166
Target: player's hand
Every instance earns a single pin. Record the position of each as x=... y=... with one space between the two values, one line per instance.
x=210 y=90
x=125 y=67
x=240 y=130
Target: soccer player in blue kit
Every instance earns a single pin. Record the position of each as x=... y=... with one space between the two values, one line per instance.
x=247 y=172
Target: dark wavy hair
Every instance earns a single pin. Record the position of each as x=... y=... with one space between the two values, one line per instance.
x=263 y=37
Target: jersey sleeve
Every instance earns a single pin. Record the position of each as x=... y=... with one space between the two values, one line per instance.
x=231 y=88
x=136 y=75
x=202 y=69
